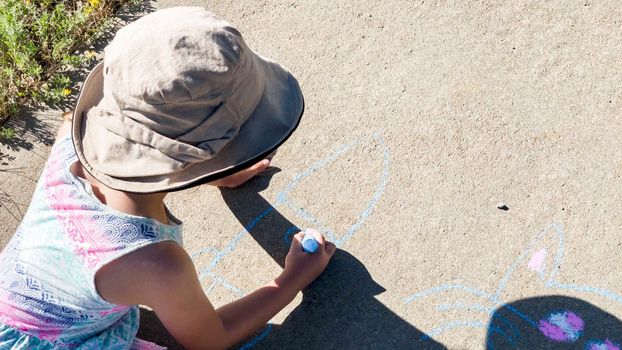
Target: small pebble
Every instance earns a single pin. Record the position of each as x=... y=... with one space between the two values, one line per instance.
x=502 y=206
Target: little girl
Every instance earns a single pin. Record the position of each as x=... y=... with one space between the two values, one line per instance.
x=179 y=101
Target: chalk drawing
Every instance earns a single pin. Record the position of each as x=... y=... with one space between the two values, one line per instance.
x=264 y=333
x=283 y=199
x=602 y=345
x=563 y=326
x=536 y=263
x=559 y=326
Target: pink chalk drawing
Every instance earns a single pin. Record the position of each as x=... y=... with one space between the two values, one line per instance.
x=537 y=261
x=462 y=306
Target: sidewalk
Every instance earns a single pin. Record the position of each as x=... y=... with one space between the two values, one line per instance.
x=420 y=118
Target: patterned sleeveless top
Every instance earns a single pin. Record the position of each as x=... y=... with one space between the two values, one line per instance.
x=48 y=297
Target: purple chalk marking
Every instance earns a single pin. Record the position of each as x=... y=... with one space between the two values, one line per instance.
x=611 y=346
x=562 y=327
x=607 y=345
x=536 y=262
x=552 y=331
x=309 y=244
x=575 y=321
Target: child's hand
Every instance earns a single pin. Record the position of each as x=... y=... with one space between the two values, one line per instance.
x=239 y=178
x=302 y=268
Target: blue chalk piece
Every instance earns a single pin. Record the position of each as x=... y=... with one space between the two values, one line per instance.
x=309 y=244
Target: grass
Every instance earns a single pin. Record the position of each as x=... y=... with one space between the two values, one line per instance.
x=39 y=41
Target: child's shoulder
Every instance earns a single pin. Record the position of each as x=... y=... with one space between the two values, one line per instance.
x=151 y=271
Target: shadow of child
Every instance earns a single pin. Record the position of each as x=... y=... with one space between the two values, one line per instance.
x=553 y=322
x=338 y=310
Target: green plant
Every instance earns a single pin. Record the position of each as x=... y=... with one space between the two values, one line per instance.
x=39 y=40
x=6 y=133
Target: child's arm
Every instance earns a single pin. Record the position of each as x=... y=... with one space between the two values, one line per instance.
x=163 y=277
x=253 y=311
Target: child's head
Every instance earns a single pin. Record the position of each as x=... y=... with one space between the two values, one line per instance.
x=181 y=100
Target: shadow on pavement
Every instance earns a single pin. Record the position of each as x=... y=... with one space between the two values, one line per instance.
x=553 y=322
x=339 y=309
x=29 y=129
x=153 y=330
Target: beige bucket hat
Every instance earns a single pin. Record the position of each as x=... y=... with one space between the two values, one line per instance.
x=181 y=99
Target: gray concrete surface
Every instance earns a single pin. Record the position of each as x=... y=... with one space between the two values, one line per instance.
x=420 y=118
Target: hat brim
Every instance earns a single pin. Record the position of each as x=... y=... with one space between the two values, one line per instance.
x=275 y=118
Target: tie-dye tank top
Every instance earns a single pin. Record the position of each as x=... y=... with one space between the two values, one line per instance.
x=48 y=297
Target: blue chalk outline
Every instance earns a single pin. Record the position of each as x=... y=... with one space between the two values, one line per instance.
x=251 y=343
x=283 y=199
x=283 y=196
x=465 y=324
x=494 y=299
x=481 y=309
